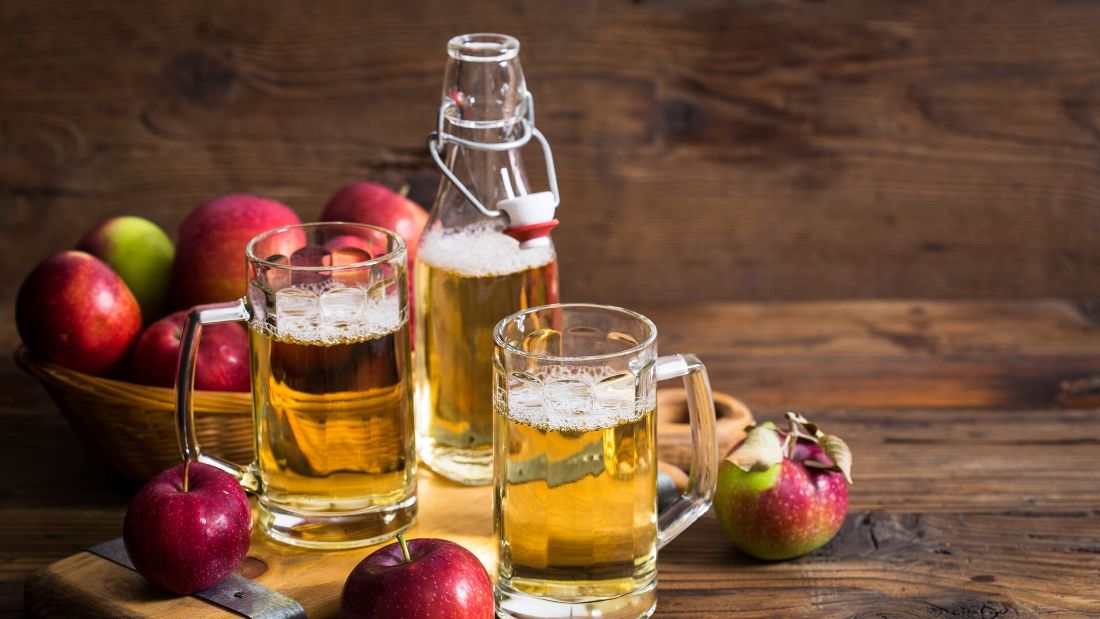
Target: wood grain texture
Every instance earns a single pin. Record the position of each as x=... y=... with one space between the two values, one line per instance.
x=897 y=565
x=85 y=585
x=447 y=510
x=982 y=501
x=950 y=510
x=771 y=149
x=879 y=354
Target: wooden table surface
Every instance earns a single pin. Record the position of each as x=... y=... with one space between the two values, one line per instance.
x=977 y=489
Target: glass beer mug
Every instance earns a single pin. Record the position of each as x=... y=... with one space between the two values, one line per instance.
x=328 y=324
x=575 y=461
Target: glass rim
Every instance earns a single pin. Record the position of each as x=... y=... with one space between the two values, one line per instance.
x=250 y=254
x=650 y=339
x=463 y=46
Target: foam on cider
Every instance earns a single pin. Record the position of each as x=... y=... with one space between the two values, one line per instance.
x=310 y=320
x=479 y=250
x=575 y=399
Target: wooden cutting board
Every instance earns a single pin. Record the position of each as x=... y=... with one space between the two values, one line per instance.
x=86 y=584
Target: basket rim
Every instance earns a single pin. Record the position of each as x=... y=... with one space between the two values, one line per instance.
x=55 y=376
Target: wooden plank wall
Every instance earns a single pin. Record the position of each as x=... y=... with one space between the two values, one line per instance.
x=754 y=149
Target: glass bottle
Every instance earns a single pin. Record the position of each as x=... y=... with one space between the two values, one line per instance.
x=477 y=264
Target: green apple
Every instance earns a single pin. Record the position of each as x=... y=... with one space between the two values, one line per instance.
x=141 y=253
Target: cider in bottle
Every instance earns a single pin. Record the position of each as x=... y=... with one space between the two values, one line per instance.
x=484 y=254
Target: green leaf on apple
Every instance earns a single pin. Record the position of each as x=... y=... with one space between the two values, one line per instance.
x=800 y=427
x=760 y=451
x=841 y=455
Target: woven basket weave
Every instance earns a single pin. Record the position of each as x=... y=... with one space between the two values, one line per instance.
x=133 y=427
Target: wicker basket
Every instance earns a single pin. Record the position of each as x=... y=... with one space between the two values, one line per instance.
x=133 y=427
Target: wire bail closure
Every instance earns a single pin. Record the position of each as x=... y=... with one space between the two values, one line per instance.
x=439 y=138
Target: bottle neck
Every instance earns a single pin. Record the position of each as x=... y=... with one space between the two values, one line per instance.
x=483 y=99
x=491 y=175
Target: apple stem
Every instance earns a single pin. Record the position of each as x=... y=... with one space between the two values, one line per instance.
x=793 y=434
x=404 y=191
x=186 y=470
x=404 y=547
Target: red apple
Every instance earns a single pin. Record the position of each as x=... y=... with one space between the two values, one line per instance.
x=188 y=528
x=73 y=310
x=374 y=204
x=784 y=494
x=222 y=363
x=370 y=203
x=423 y=579
x=209 y=264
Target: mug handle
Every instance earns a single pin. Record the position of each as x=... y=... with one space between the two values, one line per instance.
x=198 y=316
x=703 y=475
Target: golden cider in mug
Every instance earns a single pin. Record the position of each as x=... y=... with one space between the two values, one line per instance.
x=577 y=517
x=333 y=410
x=327 y=311
x=575 y=461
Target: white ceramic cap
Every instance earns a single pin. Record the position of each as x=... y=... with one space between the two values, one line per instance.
x=533 y=208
